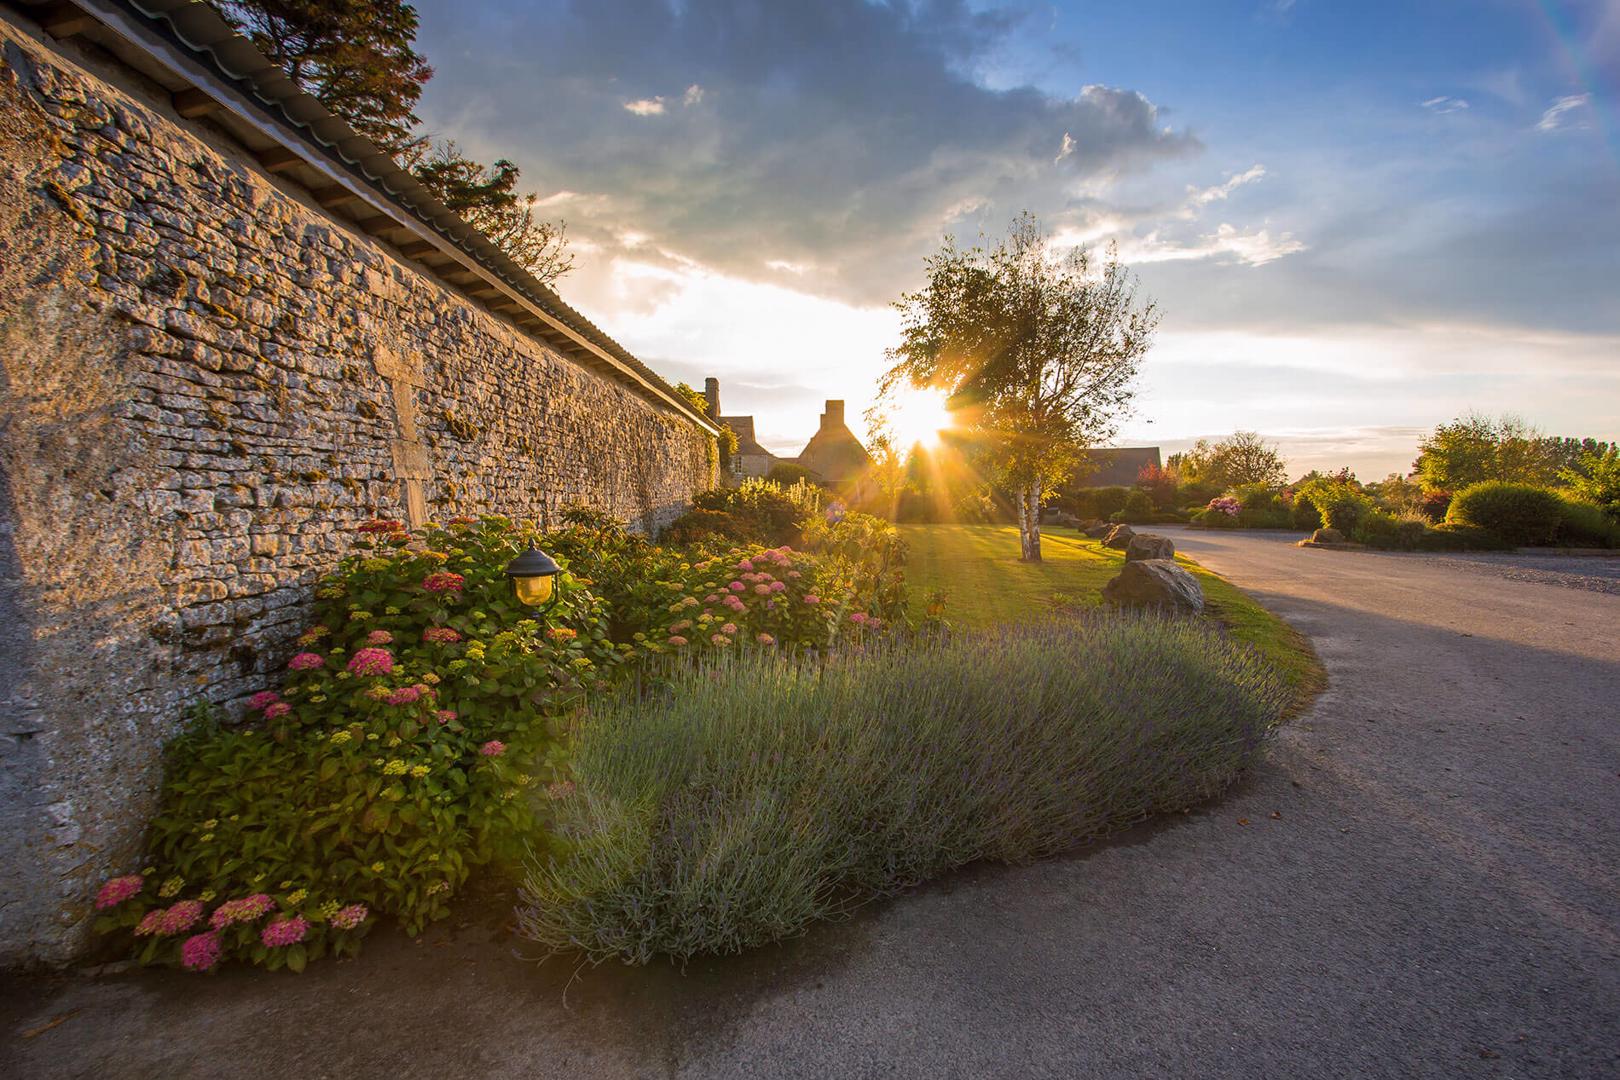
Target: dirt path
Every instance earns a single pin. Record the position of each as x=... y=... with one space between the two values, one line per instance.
x=1424 y=881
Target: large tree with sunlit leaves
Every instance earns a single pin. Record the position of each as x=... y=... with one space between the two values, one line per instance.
x=1038 y=349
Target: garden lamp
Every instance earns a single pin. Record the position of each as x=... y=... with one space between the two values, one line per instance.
x=534 y=575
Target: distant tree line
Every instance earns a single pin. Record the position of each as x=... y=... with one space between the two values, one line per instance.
x=358 y=58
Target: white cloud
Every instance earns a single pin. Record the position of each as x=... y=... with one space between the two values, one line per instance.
x=1253 y=248
x=1066 y=149
x=1558 y=116
x=646 y=106
x=693 y=95
x=1198 y=198
x=1444 y=104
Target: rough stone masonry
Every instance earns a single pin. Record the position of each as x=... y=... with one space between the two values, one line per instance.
x=205 y=383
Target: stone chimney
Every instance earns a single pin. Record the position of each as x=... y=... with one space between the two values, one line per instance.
x=834 y=416
x=711 y=392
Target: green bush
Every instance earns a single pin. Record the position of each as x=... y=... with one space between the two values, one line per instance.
x=1304 y=515
x=1138 y=508
x=868 y=553
x=1453 y=537
x=1520 y=514
x=1107 y=501
x=1340 y=504
x=750 y=798
x=760 y=512
x=1581 y=524
x=382 y=770
x=1397 y=532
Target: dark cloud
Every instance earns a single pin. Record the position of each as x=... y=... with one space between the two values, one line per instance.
x=838 y=136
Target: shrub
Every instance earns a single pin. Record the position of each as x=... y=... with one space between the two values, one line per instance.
x=1435 y=504
x=1339 y=503
x=751 y=798
x=1304 y=515
x=706 y=526
x=378 y=774
x=1581 y=524
x=1453 y=537
x=866 y=551
x=1398 y=532
x=1138 y=508
x=1519 y=514
x=1104 y=501
x=761 y=512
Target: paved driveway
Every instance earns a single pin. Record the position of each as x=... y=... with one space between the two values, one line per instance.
x=1422 y=882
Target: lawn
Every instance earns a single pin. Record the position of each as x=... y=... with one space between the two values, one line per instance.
x=978 y=569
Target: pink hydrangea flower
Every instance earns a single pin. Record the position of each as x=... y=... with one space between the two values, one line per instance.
x=245 y=909
x=372 y=662
x=181 y=917
x=285 y=931
x=306 y=661
x=379 y=637
x=720 y=639
x=119 y=889
x=736 y=586
x=729 y=628
x=441 y=635
x=811 y=599
x=151 y=923
x=445 y=715
x=405 y=695
x=200 y=952
x=858 y=618
x=746 y=564
x=443 y=581
x=794 y=574
x=493 y=748
x=280 y=708
x=350 y=917
x=711 y=598
x=263 y=699
x=676 y=640
x=778 y=586
x=762 y=588
x=736 y=604
x=766 y=639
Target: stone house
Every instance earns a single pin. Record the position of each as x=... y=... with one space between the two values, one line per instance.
x=833 y=456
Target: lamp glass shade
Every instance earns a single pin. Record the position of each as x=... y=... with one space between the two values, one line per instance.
x=534 y=591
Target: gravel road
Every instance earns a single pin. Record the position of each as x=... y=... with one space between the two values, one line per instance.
x=1423 y=882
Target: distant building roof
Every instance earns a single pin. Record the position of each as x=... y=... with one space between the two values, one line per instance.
x=1119 y=465
x=833 y=453
x=742 y=426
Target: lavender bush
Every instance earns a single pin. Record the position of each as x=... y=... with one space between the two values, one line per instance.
x=750 y=796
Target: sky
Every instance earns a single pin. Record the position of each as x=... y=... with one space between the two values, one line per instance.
x=1359 y=219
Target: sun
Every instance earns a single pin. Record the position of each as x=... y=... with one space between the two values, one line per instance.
x=919 y=416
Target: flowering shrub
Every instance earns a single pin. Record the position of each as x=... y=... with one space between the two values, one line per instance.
x=388 y=763
x=1226 y=504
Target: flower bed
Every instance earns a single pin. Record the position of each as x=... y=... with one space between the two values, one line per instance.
x=411 y=737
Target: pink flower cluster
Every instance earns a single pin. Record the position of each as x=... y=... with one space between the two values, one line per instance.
x=860 y=618
x=245 y=909
x=200 y=951
x=735 y=604
x=444 y=581
x=285 y=931
x=677 y=640
x=276 y=709
x=263 y=699
x=441 y=635
x=172 y=920
x=118 y=890
x=1226 y=504
x=379 y=637
x=408 y=695
x=493 y=748
x=381 y=525
x=306 y=661
x=350 y=917
x=372 y=662
x=445 y=715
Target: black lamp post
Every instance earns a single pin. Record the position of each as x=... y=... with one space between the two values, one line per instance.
x=534 y=578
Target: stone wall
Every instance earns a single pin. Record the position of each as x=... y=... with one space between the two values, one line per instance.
x=205 y=382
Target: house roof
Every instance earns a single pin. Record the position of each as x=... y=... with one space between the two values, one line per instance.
x=1118 y=465
x=746 y=442
x=211 y=70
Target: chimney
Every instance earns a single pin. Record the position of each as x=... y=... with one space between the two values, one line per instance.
x=834 y=416
x=711 y=391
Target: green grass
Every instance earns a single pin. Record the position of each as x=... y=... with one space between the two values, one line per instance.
x=986 y=585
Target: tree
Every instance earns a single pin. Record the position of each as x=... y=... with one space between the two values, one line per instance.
x=1473 y=448
x=1242 y=458
x=1036 y=350
x=1596 y=478
x=357 y=57
x=487 y=198
x=354 y=56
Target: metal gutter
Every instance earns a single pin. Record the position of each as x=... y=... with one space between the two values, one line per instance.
x=210 y=70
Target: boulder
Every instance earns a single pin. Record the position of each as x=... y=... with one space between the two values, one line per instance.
x=1053 y=516
x=1327 y=536
x=1119 y=537
x=1098 y=531
x=1156 y=583
x=1149 y=546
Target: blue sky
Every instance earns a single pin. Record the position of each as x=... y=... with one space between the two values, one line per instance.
x=1359 y=219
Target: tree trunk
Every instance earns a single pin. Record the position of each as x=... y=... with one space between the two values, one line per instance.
x=1029 y=522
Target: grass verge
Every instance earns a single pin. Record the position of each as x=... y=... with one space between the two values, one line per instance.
x=751 y=797
x=986 y=585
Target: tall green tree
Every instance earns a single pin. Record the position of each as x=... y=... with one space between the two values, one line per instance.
x=358 y=58
x=1037 y=349
x=1475 y=447
x=1241 y=458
